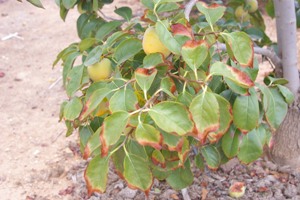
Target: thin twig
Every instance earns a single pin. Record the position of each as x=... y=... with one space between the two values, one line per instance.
x=185 y=194
x=55 y=82
x=185 y=79
x=188 y=9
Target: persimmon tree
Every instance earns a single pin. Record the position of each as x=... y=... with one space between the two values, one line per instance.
x=181 y=89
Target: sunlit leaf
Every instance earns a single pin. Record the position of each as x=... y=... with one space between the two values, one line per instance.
x=95 y=175
x=206 y=114
x=171 y=117
x=137 y=173
x=250 y=147
x=112 y=128
x=246 y=112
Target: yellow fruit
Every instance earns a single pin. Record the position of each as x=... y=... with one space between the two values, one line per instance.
x=242 y=14
x=253 y=5
x=237 y=190
x=100 y=71
x=152 y=44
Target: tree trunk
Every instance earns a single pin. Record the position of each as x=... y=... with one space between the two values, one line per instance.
x=286 y=148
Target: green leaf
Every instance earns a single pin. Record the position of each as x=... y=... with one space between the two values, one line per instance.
x=92 y=144
x=96 y=175
x=235 y=88
x=274 y=106
x=127 y=49
x=250 y=147
x=75 y=79
x=206 y=114
x=86 y=44
x=124 y=12
x=225 y=116
x=94 y=56
x=68 y=4
x=145 y=77
x=166 y=37
x=194 y=53
x=286 y=93
x=230 y=142
x=246 y=112
x=72 y=109
x=93 y=101
x=172 y=117
x=212 y=156
x=137 y=173
x=63 y=12
x=167 y=7
x=147 y=135
x=36 y=3
x=158 y=158
x=212 y=13
x=112 y=128
x=148 y=4
x=118 y=160
x=241 y=47
x=181 y=177
x=153 y=60
x=173 y=142
x=235 y=75
x=106 y=29
x=199 y=161
x=123 y=100
x=168 y=86
x=85 y=133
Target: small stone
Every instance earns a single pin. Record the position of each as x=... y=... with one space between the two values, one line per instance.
x=128 y=193
x=290 y=191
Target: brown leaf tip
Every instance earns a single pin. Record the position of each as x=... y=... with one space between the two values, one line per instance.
x=146 y=71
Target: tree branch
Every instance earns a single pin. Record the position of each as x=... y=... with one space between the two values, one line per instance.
x=261 y=51
x=188 y=9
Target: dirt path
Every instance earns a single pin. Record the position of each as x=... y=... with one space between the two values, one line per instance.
x=34 y=152
x=37 y=161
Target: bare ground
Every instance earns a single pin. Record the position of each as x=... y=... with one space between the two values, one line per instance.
x=39 y=163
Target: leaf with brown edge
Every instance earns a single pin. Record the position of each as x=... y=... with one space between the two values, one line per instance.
x=237 y=76
x=147 y=135
x=137 y=173
x=172 y=142
x=241 y=47
x=206 y=114
x=95 y=175
x=184 y=150
x=212 y=13
x=145 y=77
x=118 y=161
x=168 y=86
x=112 y=128
x=182 y=30
x=212 y=156
x=92 y=144
x=194 y=53
x=225 y=118
x=93 y=101
x=158 y=159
